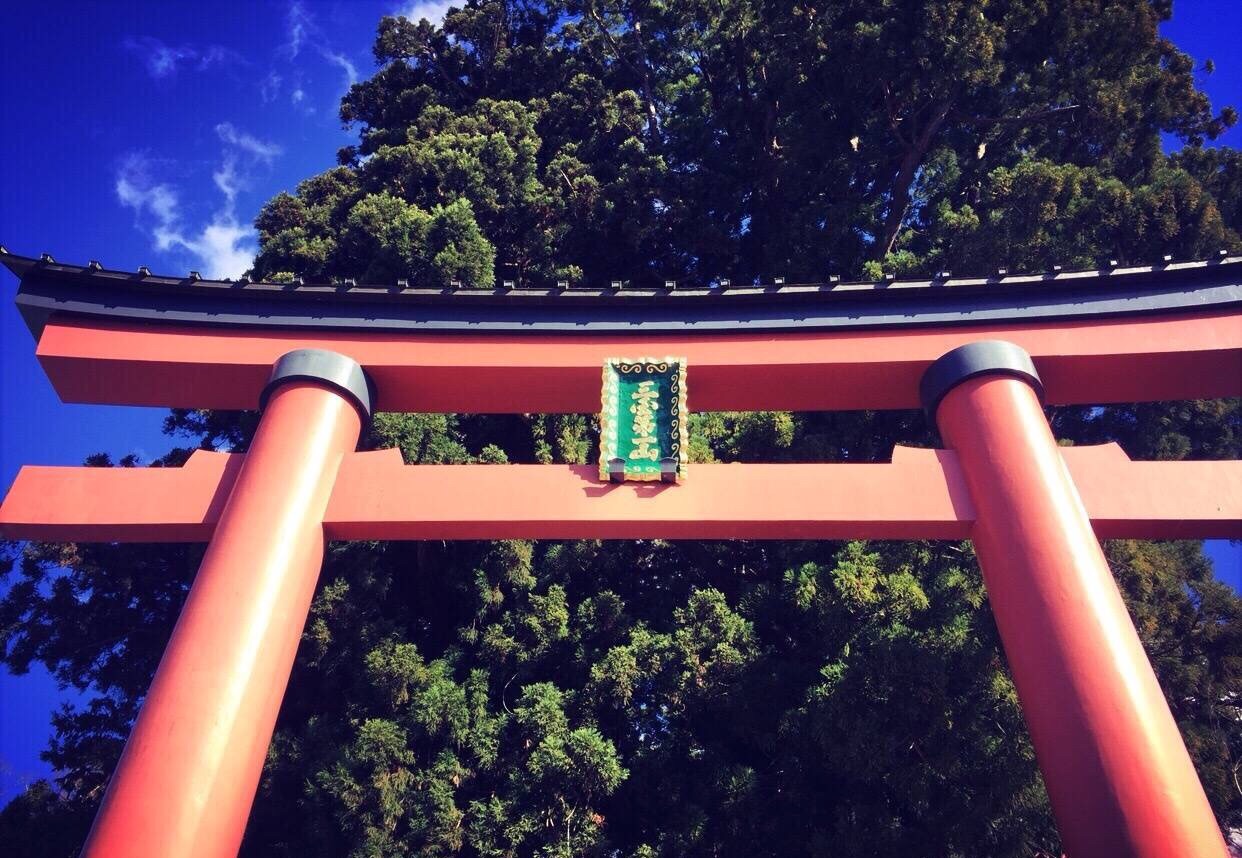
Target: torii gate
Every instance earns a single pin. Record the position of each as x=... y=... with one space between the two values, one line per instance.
x=981 y=355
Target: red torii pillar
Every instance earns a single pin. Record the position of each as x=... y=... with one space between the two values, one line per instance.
x=1117 y=772
x=189 y=772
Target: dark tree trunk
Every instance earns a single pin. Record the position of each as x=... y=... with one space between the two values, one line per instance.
x=899 y=193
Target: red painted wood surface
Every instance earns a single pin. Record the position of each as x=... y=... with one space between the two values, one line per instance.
x=920 y=495
x=1118 y=776
x=190 y=769
x=1126 y=359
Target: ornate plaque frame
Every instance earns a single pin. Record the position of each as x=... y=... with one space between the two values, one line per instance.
x=645 y=440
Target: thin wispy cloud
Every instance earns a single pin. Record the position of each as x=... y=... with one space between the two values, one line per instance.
x=163 y=61
x=264 y=151
x=228 y=180
x=433 y=10
x=269 y=87
x=301 y=24
x=223 y=248
x=340 y=60
x=304 y=39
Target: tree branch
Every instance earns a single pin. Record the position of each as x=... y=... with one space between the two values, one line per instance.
x=643 y=74
x=899 y=194
x=1023 y=119
x=894 y=122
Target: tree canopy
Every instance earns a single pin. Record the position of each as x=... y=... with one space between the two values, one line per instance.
x=652 y=698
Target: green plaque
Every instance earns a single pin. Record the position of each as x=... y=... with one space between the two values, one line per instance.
x=643 y=419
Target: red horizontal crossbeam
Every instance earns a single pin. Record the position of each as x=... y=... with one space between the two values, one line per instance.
x=1124 y=359
x=919 y=495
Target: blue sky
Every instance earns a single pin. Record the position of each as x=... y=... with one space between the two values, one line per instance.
x=150 y=133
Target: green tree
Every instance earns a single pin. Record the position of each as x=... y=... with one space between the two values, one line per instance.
x=689 y=698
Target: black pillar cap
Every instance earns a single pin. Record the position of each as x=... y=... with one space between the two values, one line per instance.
x=329 y=368
x=986 y=357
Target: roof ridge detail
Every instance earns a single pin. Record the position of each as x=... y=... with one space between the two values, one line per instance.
x=48 y=287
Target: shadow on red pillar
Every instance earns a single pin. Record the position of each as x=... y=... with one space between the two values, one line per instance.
x=1117 y=772
x=188 y=775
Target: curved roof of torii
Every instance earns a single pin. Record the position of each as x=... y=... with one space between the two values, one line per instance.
x=49 y=287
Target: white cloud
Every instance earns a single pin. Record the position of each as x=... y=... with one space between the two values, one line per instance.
x=265 y=152
x=433 y=10
x=226 y=247
x=223 y=248
x=269 y=87
x=351 y=73
x=218 y=55
x=298 y=99
x=135 y=189
x=160 y=59
x=163 y=61
x=227 y=179
x=300 y=26
x=305 y=37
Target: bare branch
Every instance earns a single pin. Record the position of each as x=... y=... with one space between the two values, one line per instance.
x=894 y=121
x=1023 y=119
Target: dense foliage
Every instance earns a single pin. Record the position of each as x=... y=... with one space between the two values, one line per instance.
x=657 y=698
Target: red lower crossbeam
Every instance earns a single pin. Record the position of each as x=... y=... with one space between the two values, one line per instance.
x=919 y=495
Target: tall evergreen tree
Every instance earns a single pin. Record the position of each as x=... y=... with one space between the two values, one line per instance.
x=689 y=698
